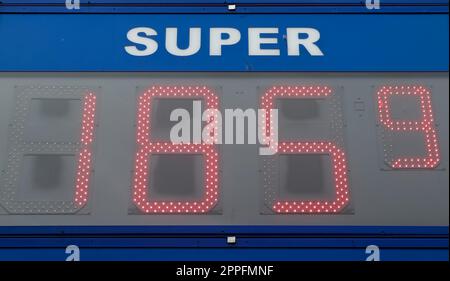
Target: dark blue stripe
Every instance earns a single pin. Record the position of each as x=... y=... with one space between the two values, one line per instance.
x=219 y=230
x=422 y=9
x=220 y=6
x=223 y=2
x=214 y=242
x=236 y=254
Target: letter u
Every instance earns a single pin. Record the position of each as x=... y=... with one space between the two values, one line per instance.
x=172 y=42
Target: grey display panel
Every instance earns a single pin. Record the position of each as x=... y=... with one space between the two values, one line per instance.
x=379 y=195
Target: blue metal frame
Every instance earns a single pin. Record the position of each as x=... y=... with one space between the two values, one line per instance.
x=390 y=231
x=220 y=6
x=195 y=243
x=205 y=3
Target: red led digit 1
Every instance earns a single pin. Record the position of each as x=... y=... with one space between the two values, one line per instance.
x=337 y=155
x=141 y=189
x=84 y=157
x=424 y=125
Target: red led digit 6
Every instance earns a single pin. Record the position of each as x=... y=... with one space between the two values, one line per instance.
x=424 y=125
x=142 y=192
x=337 y=155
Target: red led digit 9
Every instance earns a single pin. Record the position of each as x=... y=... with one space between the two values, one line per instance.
x=424 y=125
x=142 y=192
x=337 y=155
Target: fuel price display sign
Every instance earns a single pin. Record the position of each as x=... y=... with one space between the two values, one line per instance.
x=279 y=127
x=348 y=148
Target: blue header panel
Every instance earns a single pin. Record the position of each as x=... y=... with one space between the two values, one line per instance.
x=90 y=42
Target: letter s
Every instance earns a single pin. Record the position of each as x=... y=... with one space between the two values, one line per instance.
x=150 y=45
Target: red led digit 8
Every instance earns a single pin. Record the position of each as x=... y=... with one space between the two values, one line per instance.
x=337 y=155
x=84 y=157
x=424 y=125
x=141 y=189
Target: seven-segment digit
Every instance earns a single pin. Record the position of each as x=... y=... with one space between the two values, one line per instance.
x=336 y=153
x=49 y=165
x=142 y=192
x=425 y=125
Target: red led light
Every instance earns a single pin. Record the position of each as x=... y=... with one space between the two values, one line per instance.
x=268 y=101
x=425 y=125
x=339 y=168
x=141 y=188
x=84 y=157
x=337 y=155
